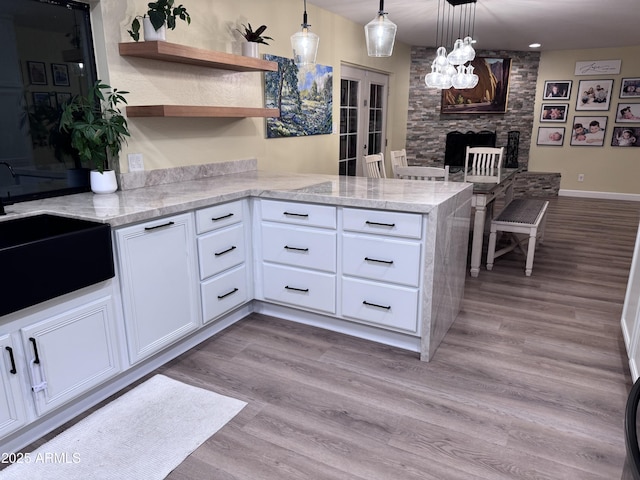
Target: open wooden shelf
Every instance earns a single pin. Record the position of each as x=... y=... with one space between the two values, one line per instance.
x=173 y=52
x=199 y=111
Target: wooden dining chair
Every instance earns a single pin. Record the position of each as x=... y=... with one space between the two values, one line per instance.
x=374 y=165
x=483 y=164
x=398 y=159
x=423 y=173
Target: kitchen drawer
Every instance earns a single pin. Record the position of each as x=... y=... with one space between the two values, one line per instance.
x=381 y=259
x=218 y=216
x=388 y=306
x=224 y=292
x=300 y=247
x=383 y=222
x=300 y=288
x=299 y=213
x=220 y=250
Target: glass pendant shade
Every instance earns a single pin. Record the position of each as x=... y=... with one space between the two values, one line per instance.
x=458 y=54
x=305 y=46
x=380 y=35
x=468 y=49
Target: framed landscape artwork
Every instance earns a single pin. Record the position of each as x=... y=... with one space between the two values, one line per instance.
x=557 y=90
x=626 y=137
x=553 y=136
x=594 y=95
x=588 y=131
x=554 y=112
x=489 y=96
x=628 y=113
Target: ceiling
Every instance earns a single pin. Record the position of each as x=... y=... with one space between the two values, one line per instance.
x=509 y=24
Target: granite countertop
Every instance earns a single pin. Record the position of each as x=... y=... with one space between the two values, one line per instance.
x=148 y=202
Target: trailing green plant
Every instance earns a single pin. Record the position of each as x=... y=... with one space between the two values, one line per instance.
x=96 y=124
x=159 y=13
x=254 y=36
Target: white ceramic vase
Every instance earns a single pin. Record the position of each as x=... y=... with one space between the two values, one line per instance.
x=104 y=182
x=150 y=33
x=250 y=49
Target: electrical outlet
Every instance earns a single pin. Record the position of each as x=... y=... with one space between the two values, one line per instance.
x=136 y=164
x=581 y=177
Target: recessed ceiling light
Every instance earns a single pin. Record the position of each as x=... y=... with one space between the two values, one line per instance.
x=535 y=45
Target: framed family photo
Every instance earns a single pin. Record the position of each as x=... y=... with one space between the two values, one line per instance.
x=628 y=113
x=594 y=95
x=588 y=131
x=630 y=88
x=60 y=74
x=557 y=90
x=554 y=112
x=626 y=137
x=553 y=136
x=37 y=73
x=62 y=98
x=41 y=99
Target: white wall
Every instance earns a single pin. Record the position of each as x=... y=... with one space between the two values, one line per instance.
x=170 y=142
x=607 y=168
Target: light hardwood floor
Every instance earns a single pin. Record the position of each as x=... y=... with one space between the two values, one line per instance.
x=529 y=383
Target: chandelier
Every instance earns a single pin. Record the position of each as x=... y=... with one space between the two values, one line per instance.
x=450 y=70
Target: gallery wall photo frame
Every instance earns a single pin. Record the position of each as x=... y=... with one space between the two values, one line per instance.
x=630 y=87
x=62 y=98
x=41 y=99
x=551 y=136
x=628 y=113
x=554 y=112
x=60 y=74
x=37 y=73
x=594 y=95
x=588 y=130
x=557 y=90
x=626 y=137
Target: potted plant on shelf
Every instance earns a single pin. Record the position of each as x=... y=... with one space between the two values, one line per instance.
x=160 y=16
x=97 y=129
x=253 y=38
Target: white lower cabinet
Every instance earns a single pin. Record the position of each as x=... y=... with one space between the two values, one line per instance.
x=12 y=408
x=159 y=278
x=224 y=292
x=70 y=353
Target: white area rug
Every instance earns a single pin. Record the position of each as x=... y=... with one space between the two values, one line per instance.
x=142 y=435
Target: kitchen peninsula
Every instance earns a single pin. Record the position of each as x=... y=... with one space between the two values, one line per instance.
x=199 y=248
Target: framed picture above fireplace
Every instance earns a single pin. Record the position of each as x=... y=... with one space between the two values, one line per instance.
x=489 y=96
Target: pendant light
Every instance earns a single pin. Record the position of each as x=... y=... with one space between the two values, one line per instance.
x=380 y=34
x=304 y=43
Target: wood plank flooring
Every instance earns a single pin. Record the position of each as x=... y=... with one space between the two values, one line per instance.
x=529 y=383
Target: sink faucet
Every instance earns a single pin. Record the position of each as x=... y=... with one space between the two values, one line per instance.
x=13 y=173
x=6 y=202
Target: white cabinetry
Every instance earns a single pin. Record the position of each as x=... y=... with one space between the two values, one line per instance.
x=159 y=283
x=12 y=411
x=630 y=321
x=70 y=353
x=223 y=249
x=381 y=270
x=299 y=245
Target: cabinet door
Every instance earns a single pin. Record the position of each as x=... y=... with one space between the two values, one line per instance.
x=159 y=283
x=71 y=352
x=12 y=411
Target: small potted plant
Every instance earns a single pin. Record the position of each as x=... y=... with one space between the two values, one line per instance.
x=253 y=38
x=160 y=16
x=97 y=129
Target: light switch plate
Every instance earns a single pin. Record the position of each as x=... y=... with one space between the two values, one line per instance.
x=136 y=164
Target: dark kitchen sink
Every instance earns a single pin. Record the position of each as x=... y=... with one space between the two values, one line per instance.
x=45 y=256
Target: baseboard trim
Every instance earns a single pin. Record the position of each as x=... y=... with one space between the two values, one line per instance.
x=634 y=197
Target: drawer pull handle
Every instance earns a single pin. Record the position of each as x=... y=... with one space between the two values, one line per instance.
x=388 y=262
x=230 y=249
x=297 y=249
x=158 y=226
x=35 y=350
x=220 y=297
x=296 y=289
x=386 y=307
x=380 y=224
x=297 y=214
x=13 y=361
x=217 y=219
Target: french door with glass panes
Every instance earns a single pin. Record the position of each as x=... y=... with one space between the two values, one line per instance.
x=363 y=113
